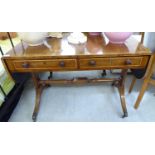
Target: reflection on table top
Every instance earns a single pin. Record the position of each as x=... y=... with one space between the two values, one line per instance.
x=96 y=46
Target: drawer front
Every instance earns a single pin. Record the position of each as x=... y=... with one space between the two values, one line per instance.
x=94 y=63
x=114 y=63
x=129 y=62
x=45 y=65
x=83 y=64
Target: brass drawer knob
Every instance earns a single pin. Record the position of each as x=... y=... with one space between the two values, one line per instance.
x=92 y=63
x=62 y=64
x=128 y=62
x=25 y=65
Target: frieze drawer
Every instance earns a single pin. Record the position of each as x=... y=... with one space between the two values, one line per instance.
x=45 y=65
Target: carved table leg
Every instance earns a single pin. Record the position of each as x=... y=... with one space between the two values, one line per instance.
x=37 y=103
x=122 y=92
x=122 y=97
x=38 y=89
x=120 y=85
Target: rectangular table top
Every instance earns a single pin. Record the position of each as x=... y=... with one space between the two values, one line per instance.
x=95 y=46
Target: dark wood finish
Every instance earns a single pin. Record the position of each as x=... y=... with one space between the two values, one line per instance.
x=10 y=39
x=4 y=35
x=62 y=49
x=142 y=36
x=39 y=89
x=44 y=65
x=96 y=54
x=129 y=62
x=121 y=88
x=95 y=63
x=82 y=80
x=77 y=64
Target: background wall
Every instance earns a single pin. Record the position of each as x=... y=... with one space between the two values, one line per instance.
x=149 y=40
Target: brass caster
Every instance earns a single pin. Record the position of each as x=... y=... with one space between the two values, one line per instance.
x=34 y=117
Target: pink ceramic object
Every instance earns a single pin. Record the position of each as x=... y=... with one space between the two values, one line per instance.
x=94 y=33
x=118 y=37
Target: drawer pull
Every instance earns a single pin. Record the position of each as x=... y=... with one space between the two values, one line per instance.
x=25 y=65
x=62 y=64
x=128 y=62
x=92 y=63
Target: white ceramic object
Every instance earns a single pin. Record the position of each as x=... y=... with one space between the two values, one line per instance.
x=77 y=38
x=33 y=38
x=55 y=34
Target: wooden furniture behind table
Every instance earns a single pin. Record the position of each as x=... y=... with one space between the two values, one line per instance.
x=147 y=80
x=4 y=35
x=96 y=54
x=146 y=74
x=140 y=72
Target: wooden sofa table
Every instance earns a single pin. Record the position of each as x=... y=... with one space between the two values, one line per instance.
x=96 y=54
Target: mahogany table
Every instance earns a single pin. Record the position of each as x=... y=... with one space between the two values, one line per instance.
x=96 y=54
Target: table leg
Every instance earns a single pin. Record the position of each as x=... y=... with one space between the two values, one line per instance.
x=122 y=92
x=123 y=103
x=38 y=89
x=120 y=84
x=37 y=103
